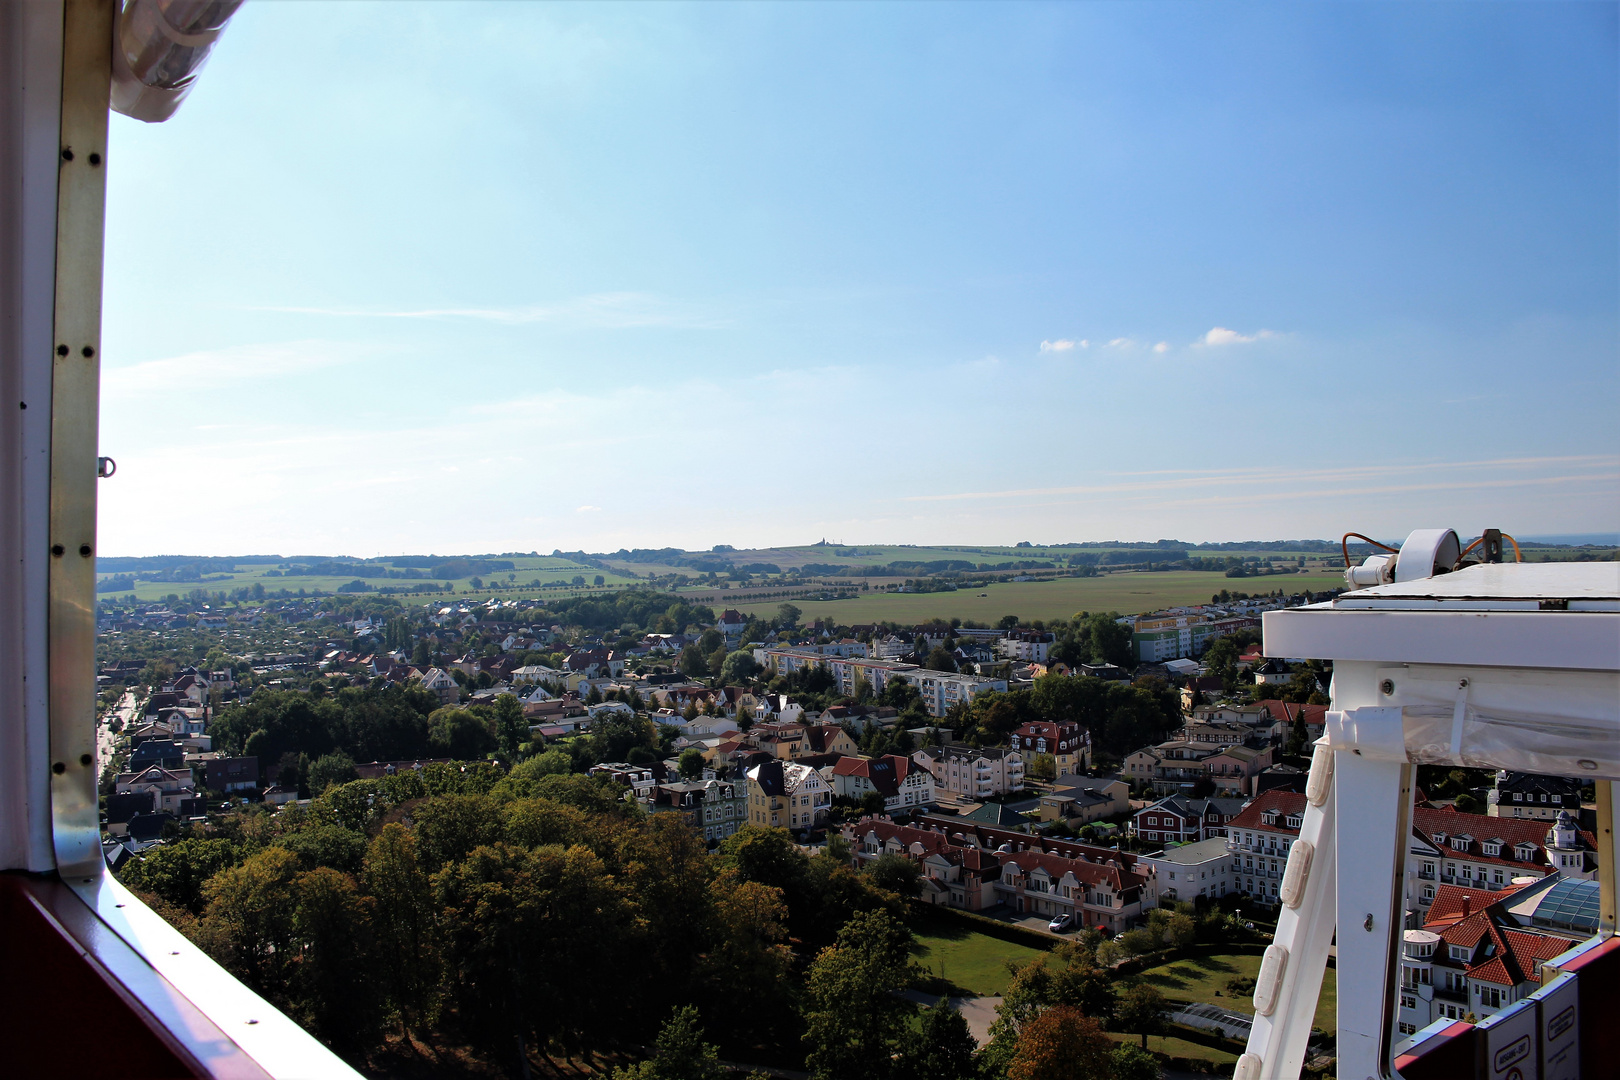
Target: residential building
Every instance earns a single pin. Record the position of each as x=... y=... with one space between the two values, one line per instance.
x=716 y=808
x=1445 y=848
x=438 y=682
x=1472 y=958
x=229 y=774
x=638 y=778
x=1181 y=819
x=1029 y=646
x=973 y=772
x=1176 y=765
x=905 y=785
x=1204 y=868
x=1067 y=742
x=1527 y=795
x=979 y=867
x=1085 y=801
x=171 y=788
x=787 y=795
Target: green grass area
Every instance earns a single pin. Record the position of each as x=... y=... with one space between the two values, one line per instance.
x=975 y=962
x=554 y=574
x=1171 y=1046
x=1204 y=978
x=1128 y=593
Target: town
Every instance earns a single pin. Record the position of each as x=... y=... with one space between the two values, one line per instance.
x=1019 y=804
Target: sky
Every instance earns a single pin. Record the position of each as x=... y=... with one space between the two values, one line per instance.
x=452 y=277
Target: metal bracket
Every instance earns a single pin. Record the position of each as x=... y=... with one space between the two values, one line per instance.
x=81 y=199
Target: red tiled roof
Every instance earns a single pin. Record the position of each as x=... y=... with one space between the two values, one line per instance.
x=1284 y=802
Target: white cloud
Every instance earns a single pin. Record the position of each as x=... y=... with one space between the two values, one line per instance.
x=1121 y=343
x=1162 y=347
x=588 y=510
x=1060 y=345
x=213 y=368
x=1220 y=335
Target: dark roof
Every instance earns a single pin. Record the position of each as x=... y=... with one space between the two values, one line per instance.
x=770 y=777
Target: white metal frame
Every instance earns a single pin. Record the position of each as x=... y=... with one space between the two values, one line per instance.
x=1414 y=667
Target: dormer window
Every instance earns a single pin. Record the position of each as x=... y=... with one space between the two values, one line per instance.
x=1293 y=821
x=1439 y=839
x=1525 y=851
x=1492 y=848
x=1460 y=843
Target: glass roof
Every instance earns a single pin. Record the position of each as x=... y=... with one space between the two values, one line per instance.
x=1571 y=905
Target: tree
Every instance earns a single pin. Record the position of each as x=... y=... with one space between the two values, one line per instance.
x=693 y=663
x=1110 y=641
x=690 y=763
x=717 y=661
x=679 y=1054
x=855 y=1020
x=944 y=1047
x=940 y=660
x=739 y=667
x=895 y=873
x=1139 y=942
x=249 y=924
x=1043 y=767
x=177 y=872
x=1468 y=803
x=406 y=963
x=787 y=615
x=1061 y=1044
x=459 y=734
x=1142 y=1011
x=1133 y=1063
x=332 y=982
x=334 y=768
x=511 y=726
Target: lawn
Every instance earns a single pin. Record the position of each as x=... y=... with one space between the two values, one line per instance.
x=975 y=962
x=1171 y=1046
x=1203 y=978
x=1128 y=593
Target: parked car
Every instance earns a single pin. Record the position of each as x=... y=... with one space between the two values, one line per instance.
x=1061 y=923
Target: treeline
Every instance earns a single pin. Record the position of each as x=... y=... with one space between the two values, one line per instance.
x=526 y=911
x=1120 y=716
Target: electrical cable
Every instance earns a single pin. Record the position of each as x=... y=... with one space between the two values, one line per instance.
x=1518 y=556
x=1344 y=545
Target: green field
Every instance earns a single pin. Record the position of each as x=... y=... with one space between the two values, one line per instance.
x=975 y=962
x=1127 y=592
x=1203 y=978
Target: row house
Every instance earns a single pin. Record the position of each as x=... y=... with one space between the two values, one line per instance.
x=1067 y=742
x=1445 y=848
x=787 y=795
x=716 y=808
x=958 y=871
x=1470 y=958
x=905 y=785
x=973 y=772
x=1181 y=819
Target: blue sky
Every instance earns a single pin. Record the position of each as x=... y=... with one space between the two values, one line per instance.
x=458 y=277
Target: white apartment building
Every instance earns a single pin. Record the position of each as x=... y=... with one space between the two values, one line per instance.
x=1028 y=646
x=973 y=773
x=1206 y=868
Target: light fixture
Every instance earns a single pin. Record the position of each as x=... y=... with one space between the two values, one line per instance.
x=159 y=46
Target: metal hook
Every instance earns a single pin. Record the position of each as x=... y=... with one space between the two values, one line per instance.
x=105 y=467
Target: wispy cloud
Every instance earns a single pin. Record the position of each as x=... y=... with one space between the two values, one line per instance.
x=588 y=510
x=1220 y=335
x=1162 y=347
x=1064 y=345
x=213 y=368
x=1122 y=343
x=1340 y=480
x=618 y=310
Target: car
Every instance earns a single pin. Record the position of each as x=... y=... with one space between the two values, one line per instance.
x=1061 y=923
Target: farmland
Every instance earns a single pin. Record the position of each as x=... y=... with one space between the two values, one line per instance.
x=1126 y=592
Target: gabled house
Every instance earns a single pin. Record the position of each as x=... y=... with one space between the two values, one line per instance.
x=904 y=785
x=438 y=682
x=1067 y=742
x=787 y=795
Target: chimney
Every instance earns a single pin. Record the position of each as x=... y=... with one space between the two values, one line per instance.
x=1468 y=905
